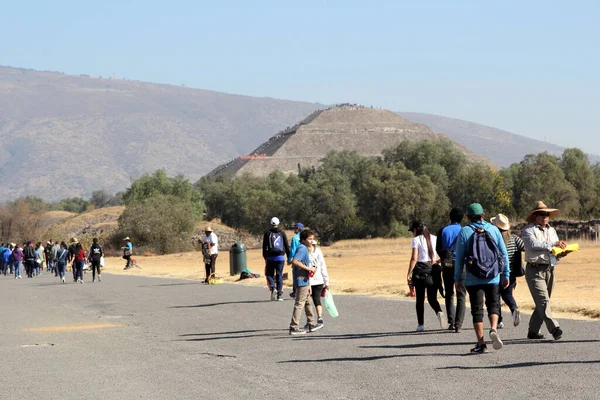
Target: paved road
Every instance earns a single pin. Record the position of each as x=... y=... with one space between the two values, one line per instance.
x=135 y=337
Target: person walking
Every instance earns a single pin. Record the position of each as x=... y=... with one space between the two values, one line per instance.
x=319 y=281
x=62 y=258
x=7 y=258
x=420 y=273
x=210 y=251
x=78 y=262
x=54 y=253
x=127 y=252
x=17 y=257
x=302 y=268
x=3 y=265
x=48 y=256
x=481 y=265
x=445 y=247
x=275 y=250
x=294 y=243
x=514 y=248
x=94 y=256
x=29 y=259
x=539 y=238
x=72 y=251
x=39 y=259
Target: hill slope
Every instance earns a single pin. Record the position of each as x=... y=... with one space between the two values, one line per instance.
x=68 y=135
x=502 y=147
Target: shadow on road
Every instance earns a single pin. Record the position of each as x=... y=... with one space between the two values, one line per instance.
x=223 y=303
x=524 y=364
x=171 y=284
x=353 y=336
x=231 y=335
x=373 y=358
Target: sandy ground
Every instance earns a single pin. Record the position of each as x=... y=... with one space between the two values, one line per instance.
x=378 y=267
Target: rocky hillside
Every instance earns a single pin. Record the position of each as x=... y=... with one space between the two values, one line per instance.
x=65 y=136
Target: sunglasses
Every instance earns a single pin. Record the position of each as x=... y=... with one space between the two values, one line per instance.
x=542 y=214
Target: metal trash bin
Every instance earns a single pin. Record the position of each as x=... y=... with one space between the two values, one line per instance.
x=237 y=258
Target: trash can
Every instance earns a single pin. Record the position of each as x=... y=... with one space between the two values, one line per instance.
x=237 y=258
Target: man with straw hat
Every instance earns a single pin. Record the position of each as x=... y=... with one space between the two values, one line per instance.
x=539 y=239
x=210 y=251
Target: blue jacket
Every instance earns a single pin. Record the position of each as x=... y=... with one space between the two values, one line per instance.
x=461 y=253
x=294 y=246
x=6 y=255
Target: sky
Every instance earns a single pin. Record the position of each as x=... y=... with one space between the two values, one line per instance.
x=528 y=67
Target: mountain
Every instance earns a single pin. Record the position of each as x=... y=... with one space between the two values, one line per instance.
x=501 y=147
x=346 y=127
x=65 y=136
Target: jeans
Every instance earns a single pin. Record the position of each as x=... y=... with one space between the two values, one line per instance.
x=432 y=291
x=62 y=269
x=507 y=296
x=17 y=268
x=78 y=266
x=274 y=273
x=456 y=315
x=492 y=300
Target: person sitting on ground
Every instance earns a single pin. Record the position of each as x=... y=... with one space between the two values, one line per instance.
x=420 y=273
x=514 y=248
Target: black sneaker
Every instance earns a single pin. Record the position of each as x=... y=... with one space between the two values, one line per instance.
x=320 y=321
x=315 y=327
x=479 y=348
x=534 y=335
x=297 y=331
x=557 y=333
x=293 y=295
x=451 y=327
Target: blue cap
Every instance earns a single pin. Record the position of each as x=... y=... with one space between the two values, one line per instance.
x=298 y=225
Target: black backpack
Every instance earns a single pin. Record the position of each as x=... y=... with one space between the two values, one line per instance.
x=275 y=246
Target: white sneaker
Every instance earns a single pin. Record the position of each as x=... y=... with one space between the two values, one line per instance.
x=516 y=317
x=421 y=328
x=496 y=342
x=440 y=316
x=63 y=280
x=500 y=325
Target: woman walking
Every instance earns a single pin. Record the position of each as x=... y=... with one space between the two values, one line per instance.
x=17 y=259
x=514 y=247
x=127 y=252
x=420 y=273
x=62 y=257
x=320 y=279
x=79 y=261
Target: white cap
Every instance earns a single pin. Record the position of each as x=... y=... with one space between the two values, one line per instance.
x=274 y=221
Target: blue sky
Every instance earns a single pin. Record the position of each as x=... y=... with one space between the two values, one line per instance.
x=529 y=67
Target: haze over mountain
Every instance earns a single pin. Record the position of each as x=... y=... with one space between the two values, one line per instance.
x=65 y=135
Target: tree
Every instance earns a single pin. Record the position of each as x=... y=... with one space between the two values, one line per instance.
x=578 y=172
x=162 y=222
x=100 y=198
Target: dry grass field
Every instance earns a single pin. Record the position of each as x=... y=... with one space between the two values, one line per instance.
x=378 y=267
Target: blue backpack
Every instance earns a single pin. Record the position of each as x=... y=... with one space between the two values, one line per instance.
x=484 y=258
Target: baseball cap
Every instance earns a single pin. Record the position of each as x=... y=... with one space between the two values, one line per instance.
x=274 y=221
x=298 y=225
x=474 y=210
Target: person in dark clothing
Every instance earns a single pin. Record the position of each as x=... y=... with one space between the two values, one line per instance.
x=276 y=250
x=94 y=256
x=79 y=262
x=29 y=258
x=71 y=258
x=445 y=247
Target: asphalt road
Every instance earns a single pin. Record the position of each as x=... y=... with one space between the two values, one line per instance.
x=147 y=338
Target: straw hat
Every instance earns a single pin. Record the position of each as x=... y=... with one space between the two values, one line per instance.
x=74 y=240
x=501 y=221
x=127 y=238
x=540 y=206
x=208 y=229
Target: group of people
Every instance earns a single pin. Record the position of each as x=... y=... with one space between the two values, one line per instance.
x=484 y=259
x=309 y=273
x=55 y=257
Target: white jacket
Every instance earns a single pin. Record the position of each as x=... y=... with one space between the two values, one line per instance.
x=318 y=261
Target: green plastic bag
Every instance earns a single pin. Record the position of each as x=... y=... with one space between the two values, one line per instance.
x=330 y=305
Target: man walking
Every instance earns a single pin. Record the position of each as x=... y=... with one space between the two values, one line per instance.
x=301 y=264
x=275 y=250
x=446 y=244
x=210 y=251
x=480 y=251
x=539 y=238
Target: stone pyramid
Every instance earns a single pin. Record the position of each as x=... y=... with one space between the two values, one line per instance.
x=342 y=127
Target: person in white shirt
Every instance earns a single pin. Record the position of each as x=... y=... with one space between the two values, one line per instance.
x=320 y=279
x=210 y=251
x=420 y=272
